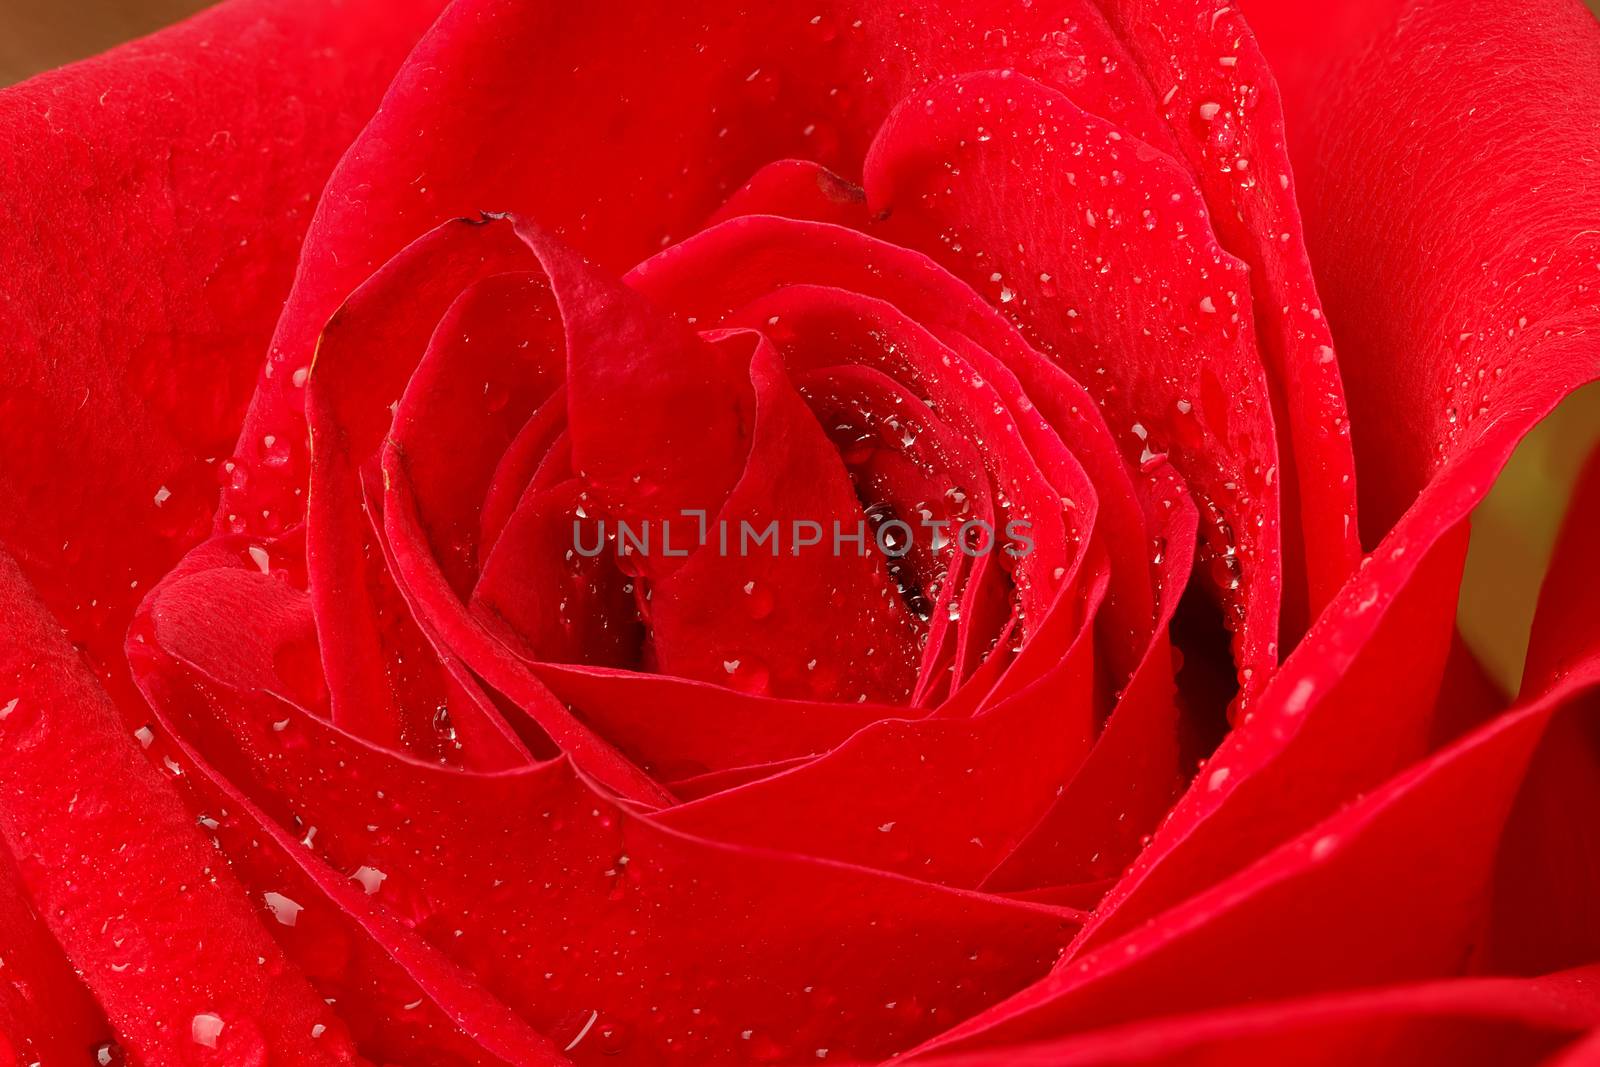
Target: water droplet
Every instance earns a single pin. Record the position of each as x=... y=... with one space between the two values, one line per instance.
x=370 y=878
x=747 y=673
x=1299 y=696
x=283 y=909
x=613 y=1038
x=205 y=1028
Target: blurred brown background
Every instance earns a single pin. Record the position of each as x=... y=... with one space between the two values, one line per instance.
x=36 y=35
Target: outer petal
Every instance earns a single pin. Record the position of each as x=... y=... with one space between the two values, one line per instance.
x=402 y=1000
x=1447 y=153
x=1395 y=900
x=566 y=906
x=144 y=908
x=1530 y=290
x=46 y=1014
x=1585 y=1053
x=155 y=199
x=1484 y=1022
x=1349 y=708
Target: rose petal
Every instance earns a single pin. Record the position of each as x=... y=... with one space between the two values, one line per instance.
x=552 y=601
x=1137 y=765
x=725 y=268
x=1391 y=290
x=679 y=727
x=817 y=328
x=658 y=417
x=1347 y=710
x=661 y=423
x=640 y=904
x=1477 y=1022
x=157 y=197
x=494 y=358
x=633 y=156
x=1221 y=104
x=45 y=1012
x=399 y=996
x=836 y=629
x=1101 y=250
x=938 y=799
x=1459 y=284
x=1397 y=900
x=444 y=618
x=147 y=912
x=1565 y=626
x=380 y=675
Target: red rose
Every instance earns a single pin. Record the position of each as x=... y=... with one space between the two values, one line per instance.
x=750 y=519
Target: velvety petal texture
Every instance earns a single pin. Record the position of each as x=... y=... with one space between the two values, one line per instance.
x=156 y=198
x=772 y=534
x=145 y=910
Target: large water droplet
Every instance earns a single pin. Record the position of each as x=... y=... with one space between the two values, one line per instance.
x=283 y=909
x=370 y=878
x=747 y=673
x=205 y=1028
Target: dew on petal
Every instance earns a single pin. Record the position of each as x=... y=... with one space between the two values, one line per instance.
x=370 y=878
x=283 y=909
x=205 y=1028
